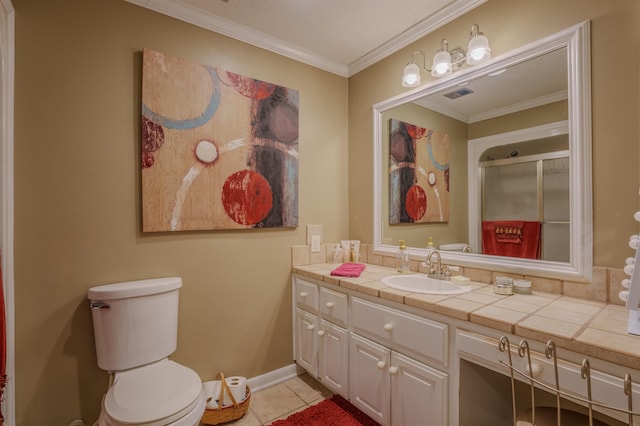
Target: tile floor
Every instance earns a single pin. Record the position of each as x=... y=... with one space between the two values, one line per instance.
x=282 y=400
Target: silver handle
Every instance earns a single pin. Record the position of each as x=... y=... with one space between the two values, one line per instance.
x=100 y=305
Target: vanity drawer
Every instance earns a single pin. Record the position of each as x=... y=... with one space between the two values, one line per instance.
x=306 y=294
x=419 y=335
x=333 y=306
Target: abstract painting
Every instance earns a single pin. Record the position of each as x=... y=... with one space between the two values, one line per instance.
x=418 y=174
x=219 y=150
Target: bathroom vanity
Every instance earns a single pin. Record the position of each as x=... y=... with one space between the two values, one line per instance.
x=405 y=358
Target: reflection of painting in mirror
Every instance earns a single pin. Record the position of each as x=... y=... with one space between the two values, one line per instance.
x=219 y=150
x=418 y=174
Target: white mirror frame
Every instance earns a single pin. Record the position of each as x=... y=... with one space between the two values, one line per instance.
x=577 y=41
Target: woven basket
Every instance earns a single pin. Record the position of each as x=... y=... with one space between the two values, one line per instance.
x=229 y=413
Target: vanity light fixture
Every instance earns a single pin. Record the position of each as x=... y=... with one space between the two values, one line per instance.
x=445 y=61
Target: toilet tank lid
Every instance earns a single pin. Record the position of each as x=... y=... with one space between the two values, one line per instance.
x=138 y=288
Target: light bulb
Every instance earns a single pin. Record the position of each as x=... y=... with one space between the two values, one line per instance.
x=411 y=76
x=478 y=50
x=441 y=64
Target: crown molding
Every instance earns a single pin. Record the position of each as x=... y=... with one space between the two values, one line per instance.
x=209 y=21
x=415 y=33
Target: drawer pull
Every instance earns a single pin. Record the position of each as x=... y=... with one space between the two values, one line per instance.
x=321 y=333
x=329 y=305
x=536 y=369
x=381 y=364
x=310 y=327
x=393 y=370
x=388 y=327
x=303 y=294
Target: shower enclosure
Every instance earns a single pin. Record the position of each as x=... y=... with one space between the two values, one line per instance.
x=529 y=182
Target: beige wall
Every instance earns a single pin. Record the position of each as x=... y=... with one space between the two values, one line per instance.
x=510 y=24
x=77 y=203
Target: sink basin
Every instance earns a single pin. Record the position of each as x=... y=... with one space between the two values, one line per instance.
x=423 y=284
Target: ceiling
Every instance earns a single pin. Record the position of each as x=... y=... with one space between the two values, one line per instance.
x=525 y=85
x=338 y=36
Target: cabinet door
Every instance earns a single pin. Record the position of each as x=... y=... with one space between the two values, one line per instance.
x=369 y=378
x=334 y=357
x=306 y=349
x=418 y=393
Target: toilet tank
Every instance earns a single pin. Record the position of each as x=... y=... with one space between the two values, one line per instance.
x=135 y=322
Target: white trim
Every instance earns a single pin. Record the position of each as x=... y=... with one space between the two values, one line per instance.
x=577 y=41
x=7 y=58
x=274 y=377
x=186 y=13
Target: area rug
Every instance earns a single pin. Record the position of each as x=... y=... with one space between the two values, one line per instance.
x=335 y=411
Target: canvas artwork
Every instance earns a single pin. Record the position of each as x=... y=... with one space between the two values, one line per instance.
x=418 y=174
x=219 y=150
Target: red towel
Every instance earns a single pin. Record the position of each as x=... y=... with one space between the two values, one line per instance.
x=512 y=238
x=348 y=270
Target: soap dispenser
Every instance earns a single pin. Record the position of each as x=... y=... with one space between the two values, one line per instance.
x=403 y=258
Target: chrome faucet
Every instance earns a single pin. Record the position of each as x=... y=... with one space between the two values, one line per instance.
x=438 y=271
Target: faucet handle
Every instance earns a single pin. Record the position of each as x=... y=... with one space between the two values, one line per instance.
x=447 y=272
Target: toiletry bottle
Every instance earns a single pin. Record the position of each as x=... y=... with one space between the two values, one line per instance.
x=403 y=258
x=337 y=255
x=430 y=246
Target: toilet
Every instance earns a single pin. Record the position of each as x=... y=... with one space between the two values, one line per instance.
x=135 y=326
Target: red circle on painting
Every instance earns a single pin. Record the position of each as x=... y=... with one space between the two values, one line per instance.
x=250 y=87
x=416 y=132
x=416 y=202
x=247 y=197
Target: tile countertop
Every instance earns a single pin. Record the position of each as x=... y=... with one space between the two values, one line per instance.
x=587 y=327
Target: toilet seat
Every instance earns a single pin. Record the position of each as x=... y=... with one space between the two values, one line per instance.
x=155 y=394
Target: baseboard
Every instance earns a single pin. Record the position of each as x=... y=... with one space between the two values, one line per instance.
x=274 y=377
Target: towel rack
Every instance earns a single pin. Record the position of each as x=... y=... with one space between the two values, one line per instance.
x=554 y=388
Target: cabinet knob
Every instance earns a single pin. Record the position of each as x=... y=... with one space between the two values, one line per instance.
x=536 y=369
x=393 y=370
x=303 y=294
x=310 y=327
x=329 y=305
x=321 y=333
x=381 y=364
x=388 y=327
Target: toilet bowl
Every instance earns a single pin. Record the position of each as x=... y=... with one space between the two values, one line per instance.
x=161 y=394
x=454 y=247
x=135 y=326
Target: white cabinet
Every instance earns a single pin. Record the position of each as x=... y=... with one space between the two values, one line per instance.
x=369 y=379
x=321 y=346
x=394 y=389
x=333 y=368
x=418 y=393
x=306 y=341
x=374 y=355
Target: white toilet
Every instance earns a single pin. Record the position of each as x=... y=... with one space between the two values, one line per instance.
x=135 y=325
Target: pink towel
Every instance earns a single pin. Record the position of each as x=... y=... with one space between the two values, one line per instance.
x=348 y=270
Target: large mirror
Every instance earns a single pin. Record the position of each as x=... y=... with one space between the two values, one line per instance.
x=517 y=118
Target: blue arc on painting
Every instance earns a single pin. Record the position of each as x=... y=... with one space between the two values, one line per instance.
x=441 y=167
x=189 y=123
